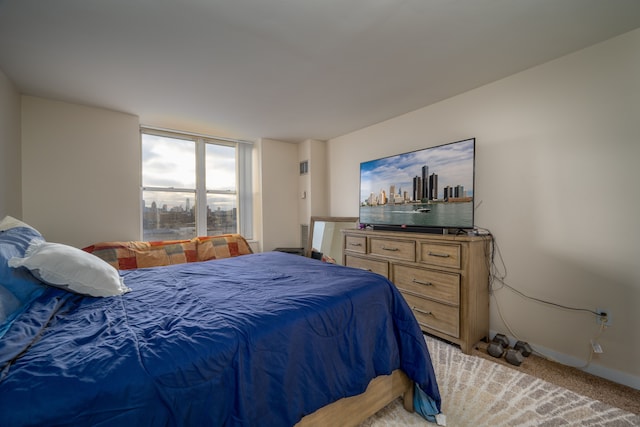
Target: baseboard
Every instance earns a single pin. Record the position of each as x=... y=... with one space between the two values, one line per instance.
x=614 y=375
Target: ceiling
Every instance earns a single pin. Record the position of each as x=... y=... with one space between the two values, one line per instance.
x=286 y=69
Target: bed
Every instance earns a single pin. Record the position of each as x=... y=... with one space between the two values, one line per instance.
x=259 y=339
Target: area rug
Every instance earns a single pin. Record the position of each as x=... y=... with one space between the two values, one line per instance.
x=478 y=392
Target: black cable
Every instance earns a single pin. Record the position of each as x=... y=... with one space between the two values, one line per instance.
x=548 y=302
x=494 y=276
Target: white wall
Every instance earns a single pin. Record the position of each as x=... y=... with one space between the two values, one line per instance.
x=304 y=183
x=314 y=183
x=10 y=178
x=557 y=181
x=80 y=172
x=279 y=194
x=319 y=202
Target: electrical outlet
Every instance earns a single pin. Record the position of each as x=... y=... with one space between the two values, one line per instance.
x=597 y=348
x=604 y=318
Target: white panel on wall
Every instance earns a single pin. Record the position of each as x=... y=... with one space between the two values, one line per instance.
x=80 y=172
x=279 y=170
x=10 y=176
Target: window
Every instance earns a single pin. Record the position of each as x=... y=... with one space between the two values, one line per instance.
x=194 y=185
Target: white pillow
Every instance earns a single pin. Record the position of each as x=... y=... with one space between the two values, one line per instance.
x=9 y=222
x=71 y=269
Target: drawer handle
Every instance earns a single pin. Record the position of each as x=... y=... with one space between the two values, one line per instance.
x=441 y=255
x=427 y=313
x=384 y=248
x=355 y=244
x=419 y=282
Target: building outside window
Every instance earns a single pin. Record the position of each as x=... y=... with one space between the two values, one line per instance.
x=194 y=185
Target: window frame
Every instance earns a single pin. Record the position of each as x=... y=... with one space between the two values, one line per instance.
x=243 y=185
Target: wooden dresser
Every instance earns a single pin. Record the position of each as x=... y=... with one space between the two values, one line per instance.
x=443 y=278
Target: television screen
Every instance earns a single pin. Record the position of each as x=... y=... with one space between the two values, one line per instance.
x=425 y=189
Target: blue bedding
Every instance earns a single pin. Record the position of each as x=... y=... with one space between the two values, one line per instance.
x=261 y=339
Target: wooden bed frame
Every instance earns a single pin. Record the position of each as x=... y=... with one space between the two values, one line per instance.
x=351 y=411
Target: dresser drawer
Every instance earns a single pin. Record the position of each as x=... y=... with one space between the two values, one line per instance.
x=396 y=249
x=441 y=286
x=376 y=266
x=431 y=314
x=440 y=254
x=355 y=244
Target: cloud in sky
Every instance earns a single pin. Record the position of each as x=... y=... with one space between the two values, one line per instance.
x=171 y=163
x=453 y=163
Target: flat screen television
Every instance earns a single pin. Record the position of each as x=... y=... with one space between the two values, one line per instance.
x=428 y=190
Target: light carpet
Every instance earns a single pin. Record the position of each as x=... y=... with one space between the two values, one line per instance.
x=478 y=392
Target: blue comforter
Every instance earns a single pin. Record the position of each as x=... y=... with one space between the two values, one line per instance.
x=261 y=339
